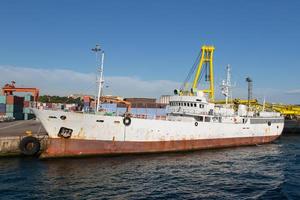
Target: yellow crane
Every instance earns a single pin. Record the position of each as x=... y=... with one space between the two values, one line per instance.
x=289 y=111
x=205 y=64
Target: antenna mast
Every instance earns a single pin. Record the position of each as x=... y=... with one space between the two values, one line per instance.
x=100 y=80
x=226 y=85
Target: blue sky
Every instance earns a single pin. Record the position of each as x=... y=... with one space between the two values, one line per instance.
x=152 y=41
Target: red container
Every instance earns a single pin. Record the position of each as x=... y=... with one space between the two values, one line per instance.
x=10 y=100
x=26 y=104
x=86 y=99
x=14 y=100
x=49 y=105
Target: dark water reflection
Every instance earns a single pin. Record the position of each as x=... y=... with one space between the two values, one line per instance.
x=260 y=172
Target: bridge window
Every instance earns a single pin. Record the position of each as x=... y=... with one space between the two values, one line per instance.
x=199 y=118
x=216 y=119
x=207 y=119
x=184 y=104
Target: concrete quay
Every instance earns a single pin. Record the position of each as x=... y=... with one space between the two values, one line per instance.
x=11 y=134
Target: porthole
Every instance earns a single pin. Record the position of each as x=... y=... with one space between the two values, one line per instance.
x=63 y=117
x=52 y=117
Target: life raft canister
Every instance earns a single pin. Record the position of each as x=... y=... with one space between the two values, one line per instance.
x=127 y=121
x=30 y=146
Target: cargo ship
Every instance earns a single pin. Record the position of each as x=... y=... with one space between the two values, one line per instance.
x=193 y=122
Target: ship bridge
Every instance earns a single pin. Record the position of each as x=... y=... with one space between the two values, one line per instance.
x=190 y=105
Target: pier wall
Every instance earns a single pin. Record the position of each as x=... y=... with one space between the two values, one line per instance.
x=9 y=146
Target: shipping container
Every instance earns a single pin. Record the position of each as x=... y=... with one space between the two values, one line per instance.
x=28 y=98
x=93 y=104
x=49 y=105
x=18 y=116
x=86 y=99
x=86 y=104
x=86 y=108
x=74 y=108
x=27 y=110
x=9 y=114
x=2 y=107
x=14 y=108
x=140 y=100
x=26 y=104
x=14 y=100
x=28 y=116
x=109 y=107
x=3 y=99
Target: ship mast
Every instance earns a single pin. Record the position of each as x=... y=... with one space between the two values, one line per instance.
x=226 y=85
x=100 y=80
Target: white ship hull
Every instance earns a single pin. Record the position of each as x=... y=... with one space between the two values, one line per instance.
x=97 y=134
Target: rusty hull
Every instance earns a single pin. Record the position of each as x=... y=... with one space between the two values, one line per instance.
x=60 y=147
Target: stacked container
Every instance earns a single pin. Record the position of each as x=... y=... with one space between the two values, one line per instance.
x=93 y=104
x=14 y=107
x=86 y=103
x=109 y=107
x=28 y=103
x=2 y=105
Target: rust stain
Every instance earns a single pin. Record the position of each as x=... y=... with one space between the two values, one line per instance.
x=59 y=147
x=79 y=135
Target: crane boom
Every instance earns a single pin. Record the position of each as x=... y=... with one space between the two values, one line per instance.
x=206 y=59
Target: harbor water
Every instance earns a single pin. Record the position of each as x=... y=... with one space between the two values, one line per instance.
x=270 y=171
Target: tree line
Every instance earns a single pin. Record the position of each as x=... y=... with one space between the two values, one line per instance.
x=58 y=99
